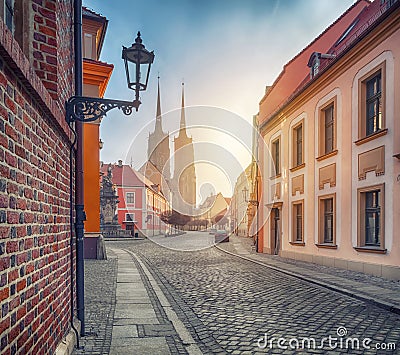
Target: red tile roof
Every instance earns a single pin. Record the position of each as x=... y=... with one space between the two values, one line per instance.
x=296 y=69
x=361 y=25
x=124 y=175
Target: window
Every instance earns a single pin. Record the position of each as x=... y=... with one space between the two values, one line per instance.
x=276 y=169
x=371 y=118
x=345 y=34
x=327 y=221
x=371 y=217
x=374 y=104
x=88 y=46
x=327 y=128
x=298 y=145
x=16 y=15
x=129 y=217
x=9 y=14
x=297 y=222
x=130 y=197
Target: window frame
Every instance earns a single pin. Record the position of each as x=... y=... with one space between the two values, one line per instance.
x=132 y=220
x=276 y=157
x=362 y=103
x=20 y=23
x=128 y=198
x=322 y=151
x=295 y=145
x=361 y=218
x=321 y=221
x=295 y=205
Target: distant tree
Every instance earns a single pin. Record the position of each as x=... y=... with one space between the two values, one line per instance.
x=175 y=219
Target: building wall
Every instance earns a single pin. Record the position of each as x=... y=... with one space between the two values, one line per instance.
x=340 y=174
x=35 y=260
x=135 y=208
x=241 y=203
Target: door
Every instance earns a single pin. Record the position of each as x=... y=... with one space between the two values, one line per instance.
x=131 y=227
x=275 y=231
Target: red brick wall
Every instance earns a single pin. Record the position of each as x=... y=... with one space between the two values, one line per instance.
x=34 y=189
x=52 y=44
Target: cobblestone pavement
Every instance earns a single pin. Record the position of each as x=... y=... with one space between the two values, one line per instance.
x=372 y=280
x=229 y=305
x=100 y=288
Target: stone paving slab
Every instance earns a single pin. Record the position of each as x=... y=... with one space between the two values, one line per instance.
x=134 y=311
x=124 y=331
x=130 y=346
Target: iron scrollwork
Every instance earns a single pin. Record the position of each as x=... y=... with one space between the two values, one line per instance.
x=89 y=109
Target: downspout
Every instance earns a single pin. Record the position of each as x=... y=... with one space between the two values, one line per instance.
x=79 y=193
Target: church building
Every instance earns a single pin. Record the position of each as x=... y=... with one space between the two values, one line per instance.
x=180 y=187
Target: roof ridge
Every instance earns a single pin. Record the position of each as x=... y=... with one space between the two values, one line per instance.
x=312 y=42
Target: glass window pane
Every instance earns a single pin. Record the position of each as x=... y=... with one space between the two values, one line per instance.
x=372 y=218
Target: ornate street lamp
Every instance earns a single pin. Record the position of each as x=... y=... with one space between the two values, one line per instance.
x=137 y=60
x=80 y=109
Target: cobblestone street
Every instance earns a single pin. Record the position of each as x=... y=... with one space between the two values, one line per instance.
x=232 y=306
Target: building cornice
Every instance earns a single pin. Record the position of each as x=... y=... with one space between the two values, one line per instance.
x=97 y=73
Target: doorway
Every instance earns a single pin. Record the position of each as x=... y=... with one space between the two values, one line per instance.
x=131 y=227
x=275 y=231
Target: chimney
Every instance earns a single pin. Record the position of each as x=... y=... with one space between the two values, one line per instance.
x=120 y=163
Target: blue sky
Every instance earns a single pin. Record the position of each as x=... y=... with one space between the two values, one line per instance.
x=226 y=51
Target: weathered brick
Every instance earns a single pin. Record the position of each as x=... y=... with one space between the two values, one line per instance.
x=49 y=14
x=48 y=31
x=12 y=217
x=48 y=49
x=40 y=37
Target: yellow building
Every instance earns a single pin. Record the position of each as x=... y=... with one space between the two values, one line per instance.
x=330 y=150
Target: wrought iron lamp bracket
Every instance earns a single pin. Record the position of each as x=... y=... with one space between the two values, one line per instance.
x=89 y=109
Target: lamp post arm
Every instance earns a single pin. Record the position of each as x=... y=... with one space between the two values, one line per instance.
x=89 y=109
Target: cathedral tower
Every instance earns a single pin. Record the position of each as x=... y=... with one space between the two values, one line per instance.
x=158 y=147
x=184 y=170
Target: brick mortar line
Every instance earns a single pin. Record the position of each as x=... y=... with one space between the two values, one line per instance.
x=381 y=304
x=184 y=311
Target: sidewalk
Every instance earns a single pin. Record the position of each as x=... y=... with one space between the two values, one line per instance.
x=381 y=292
x=128 y=312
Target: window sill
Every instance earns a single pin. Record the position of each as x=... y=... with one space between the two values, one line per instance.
x=372 y=136
x=298 y=244
x=277 y=176
x=298 y=167
x=327 y=246
x=368 y=249
x=328 y=155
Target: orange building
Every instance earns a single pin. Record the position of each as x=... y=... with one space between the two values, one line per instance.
x=330 y=148
x=96 y=75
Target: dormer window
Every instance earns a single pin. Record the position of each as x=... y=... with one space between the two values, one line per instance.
x=315 y=68
x=315 y=61
x=313 y=64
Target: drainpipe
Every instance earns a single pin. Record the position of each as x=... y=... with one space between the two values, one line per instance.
x=79 y=196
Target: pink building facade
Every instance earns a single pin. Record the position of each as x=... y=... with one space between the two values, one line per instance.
x=331 y=149
x=140 y=201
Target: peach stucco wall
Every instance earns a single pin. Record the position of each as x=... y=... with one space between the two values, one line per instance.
x=342 y=84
